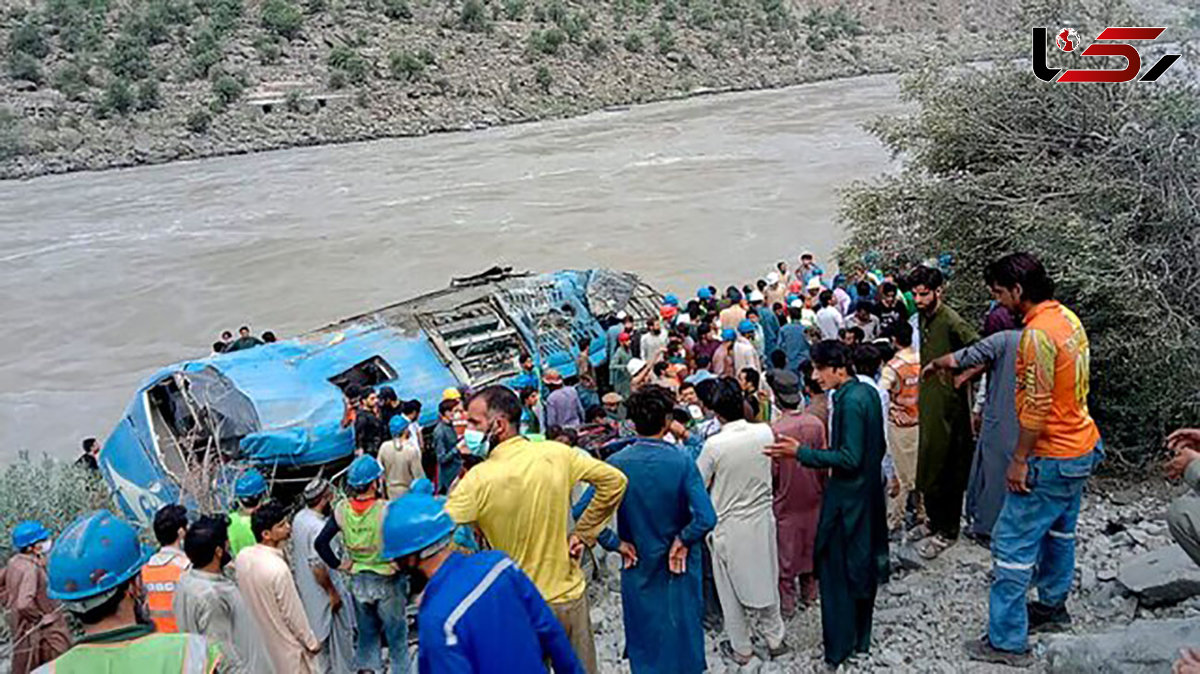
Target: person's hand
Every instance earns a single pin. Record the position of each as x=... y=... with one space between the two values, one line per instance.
x=346 y=565
x=335 y=601
x=1188 y=662
x=1015 y=476
x=678 y=430
x=574 y=546
x=1178 y=463
x=783 y=448
x=929 y=370
x=677 y=557
x=628 y=554
x=894 y=487
x=976 y=423
x=1184 y=438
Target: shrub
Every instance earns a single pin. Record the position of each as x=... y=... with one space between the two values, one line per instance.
x=269 y=51
x=199 y=121
x=118 y=98
x=52 y=492
x=315 y=6
x=596 y=46
x=633 y=43
x=405 y=65
x=350 y=62
x=337 y=79
x=148 y=97
x=27 y=38
x=397 y=10
x=663 y=37
x=669 y=11
x=72 y=81
x=80 y=25
x=702 y=16
x=473 y=17
x=205 y=52
x=129 y=57
x=294 y=101
x=514 y=10
x=426 y=57
x=556 y=11
x=12 y=144
x=1098 y=182
x=576 y=25
x=224 y=15
x=547 y=41
x=227 y=89
x=282 y=18
x=22 y=66
x=544 y=78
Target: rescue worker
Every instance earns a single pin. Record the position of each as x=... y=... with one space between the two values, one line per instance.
x=250 y=489
x=480 y=612
x=161 y=574
x=379 y=591
x=33 y=619
x=94 y=571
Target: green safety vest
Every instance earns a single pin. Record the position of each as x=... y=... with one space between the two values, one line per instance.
x=362 y=536
x=153 y=653
x=240 y=534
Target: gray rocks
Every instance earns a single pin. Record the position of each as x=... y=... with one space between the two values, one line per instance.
x=1163 y=576
x=1144 y=646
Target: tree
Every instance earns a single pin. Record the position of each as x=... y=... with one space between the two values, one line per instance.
x=1098 y=181
x=282 y=18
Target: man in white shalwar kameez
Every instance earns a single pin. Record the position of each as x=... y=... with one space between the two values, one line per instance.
x=744 y=553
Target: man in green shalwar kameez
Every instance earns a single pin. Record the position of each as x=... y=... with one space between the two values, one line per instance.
x=946 y=446
x=851 y=559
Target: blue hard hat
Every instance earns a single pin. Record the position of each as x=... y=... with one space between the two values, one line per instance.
x=792 y=297
x=27 y=533
x=363 y=471
x=728 y=335
x=671 y=300
x=95 y=554
x=746 y=327
x=397 y=425
x=704 y=294
x=250 y=484
x=414 y=522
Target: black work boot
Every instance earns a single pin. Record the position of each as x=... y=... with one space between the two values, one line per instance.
x=1044 y=618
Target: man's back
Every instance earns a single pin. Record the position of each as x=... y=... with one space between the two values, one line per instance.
x=563 y=407
x=829 y=320
x=138 y=649
x=738 y=472
x=1052 y=382
x=210 y=604
x=796 y=486
x=401 y=463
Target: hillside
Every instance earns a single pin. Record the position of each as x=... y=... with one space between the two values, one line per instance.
x=90 y=84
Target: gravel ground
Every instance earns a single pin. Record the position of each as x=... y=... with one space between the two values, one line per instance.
x=922 y=617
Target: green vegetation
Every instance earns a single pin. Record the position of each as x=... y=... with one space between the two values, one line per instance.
x=205 y=52
x=547 y=41
x=72 y=81
x=269 y=51
x=129 y=57
x=543 y=78
x=25 y=67
x=824 y=26
x=118 y=99
x=282 y=18
x=596 y=47
x=12 y=142
x=148 y=96
x=199 y=121
x=1097 y=181
x=349 y=62
x=663 y=37
x=397 y=10
x=473 y=17
x=514 y=10
x=226 y=91
x=52 y=492
x=633 y=43
x=404 y=65
x=27 y=38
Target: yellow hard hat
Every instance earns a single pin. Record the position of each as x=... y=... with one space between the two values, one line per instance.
x=451 y=394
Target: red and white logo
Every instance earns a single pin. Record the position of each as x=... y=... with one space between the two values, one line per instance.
x=1067 y=39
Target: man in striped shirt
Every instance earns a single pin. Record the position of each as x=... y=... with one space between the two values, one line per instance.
x=1058 y=446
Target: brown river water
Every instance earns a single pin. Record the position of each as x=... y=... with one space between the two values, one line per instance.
x=106 y=276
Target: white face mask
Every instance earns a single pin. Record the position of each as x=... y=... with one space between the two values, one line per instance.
x=44 y=546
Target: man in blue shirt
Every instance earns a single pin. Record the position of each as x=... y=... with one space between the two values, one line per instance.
x=480 y=613
x=792 y=338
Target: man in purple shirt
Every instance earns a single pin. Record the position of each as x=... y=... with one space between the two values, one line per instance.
x=562 y=406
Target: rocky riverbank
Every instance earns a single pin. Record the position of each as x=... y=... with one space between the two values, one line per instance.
x=923 y=616
x=152 y=81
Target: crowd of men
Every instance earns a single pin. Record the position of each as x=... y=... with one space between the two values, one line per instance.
x=756 y=451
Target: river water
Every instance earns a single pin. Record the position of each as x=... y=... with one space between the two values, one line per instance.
x=106 y=276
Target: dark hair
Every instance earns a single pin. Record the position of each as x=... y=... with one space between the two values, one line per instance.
x=660 y=368
x=1024 y=270
x=218 y=347
x=168 y=521
x=859 y=335
x=525 y=358
x=447 y=405
x=887 y=288
x=225 y=334
x=244 y=328
x=703 y=361
x=355 y=391
x=411 y=407
x=387 y=394
x=863 y=288
x=526 y=392
x=584 y=343
x=762 y=284
x=89 y=443
x=249 y=502
x=648 y=409
x=902 y=332
x=268 y=337
x=567 y=436
x=825 y=298
x=806 y=373
x=502 y=401
x=751 y=312
x=866 y=359
x=778 y=359
x=831 y=353
x=685 y=386
x=930 y=277
x=729 y=402
x=270 y=514
x=796 y=313
x=593 y=414
x=865 y=305
x=706 y=391
x=752 y=376
x=108 y=608
x=204 y=537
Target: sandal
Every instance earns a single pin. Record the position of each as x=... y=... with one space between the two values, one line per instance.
x=919 y=532
x=931 y=548
x=726 y=649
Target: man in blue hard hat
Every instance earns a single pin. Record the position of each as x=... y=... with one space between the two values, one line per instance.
x=480 y=613
x=23 y=594
x=94 y=571
x=380 y=592
x=251 y=491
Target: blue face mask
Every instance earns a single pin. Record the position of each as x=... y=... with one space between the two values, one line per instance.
x=477 y=442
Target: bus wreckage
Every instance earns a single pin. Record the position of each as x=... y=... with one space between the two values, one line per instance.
x=194 y=426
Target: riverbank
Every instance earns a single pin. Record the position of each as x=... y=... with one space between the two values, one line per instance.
x=349 y=72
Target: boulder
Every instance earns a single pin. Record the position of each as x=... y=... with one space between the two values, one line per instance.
x=1141 y=648
x=1159 y=577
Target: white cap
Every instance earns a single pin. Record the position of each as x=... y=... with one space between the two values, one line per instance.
x=807 y=253
x=773 y=278
x=814 y=283
x=621 y=315
x=797 y=304
x=683 y=319
x=635 y=366
x=756 y=296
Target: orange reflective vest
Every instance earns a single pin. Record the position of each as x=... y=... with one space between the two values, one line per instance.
x=159 y=576
x=902 y=411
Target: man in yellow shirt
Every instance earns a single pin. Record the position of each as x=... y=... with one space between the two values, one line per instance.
x=520 y=499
